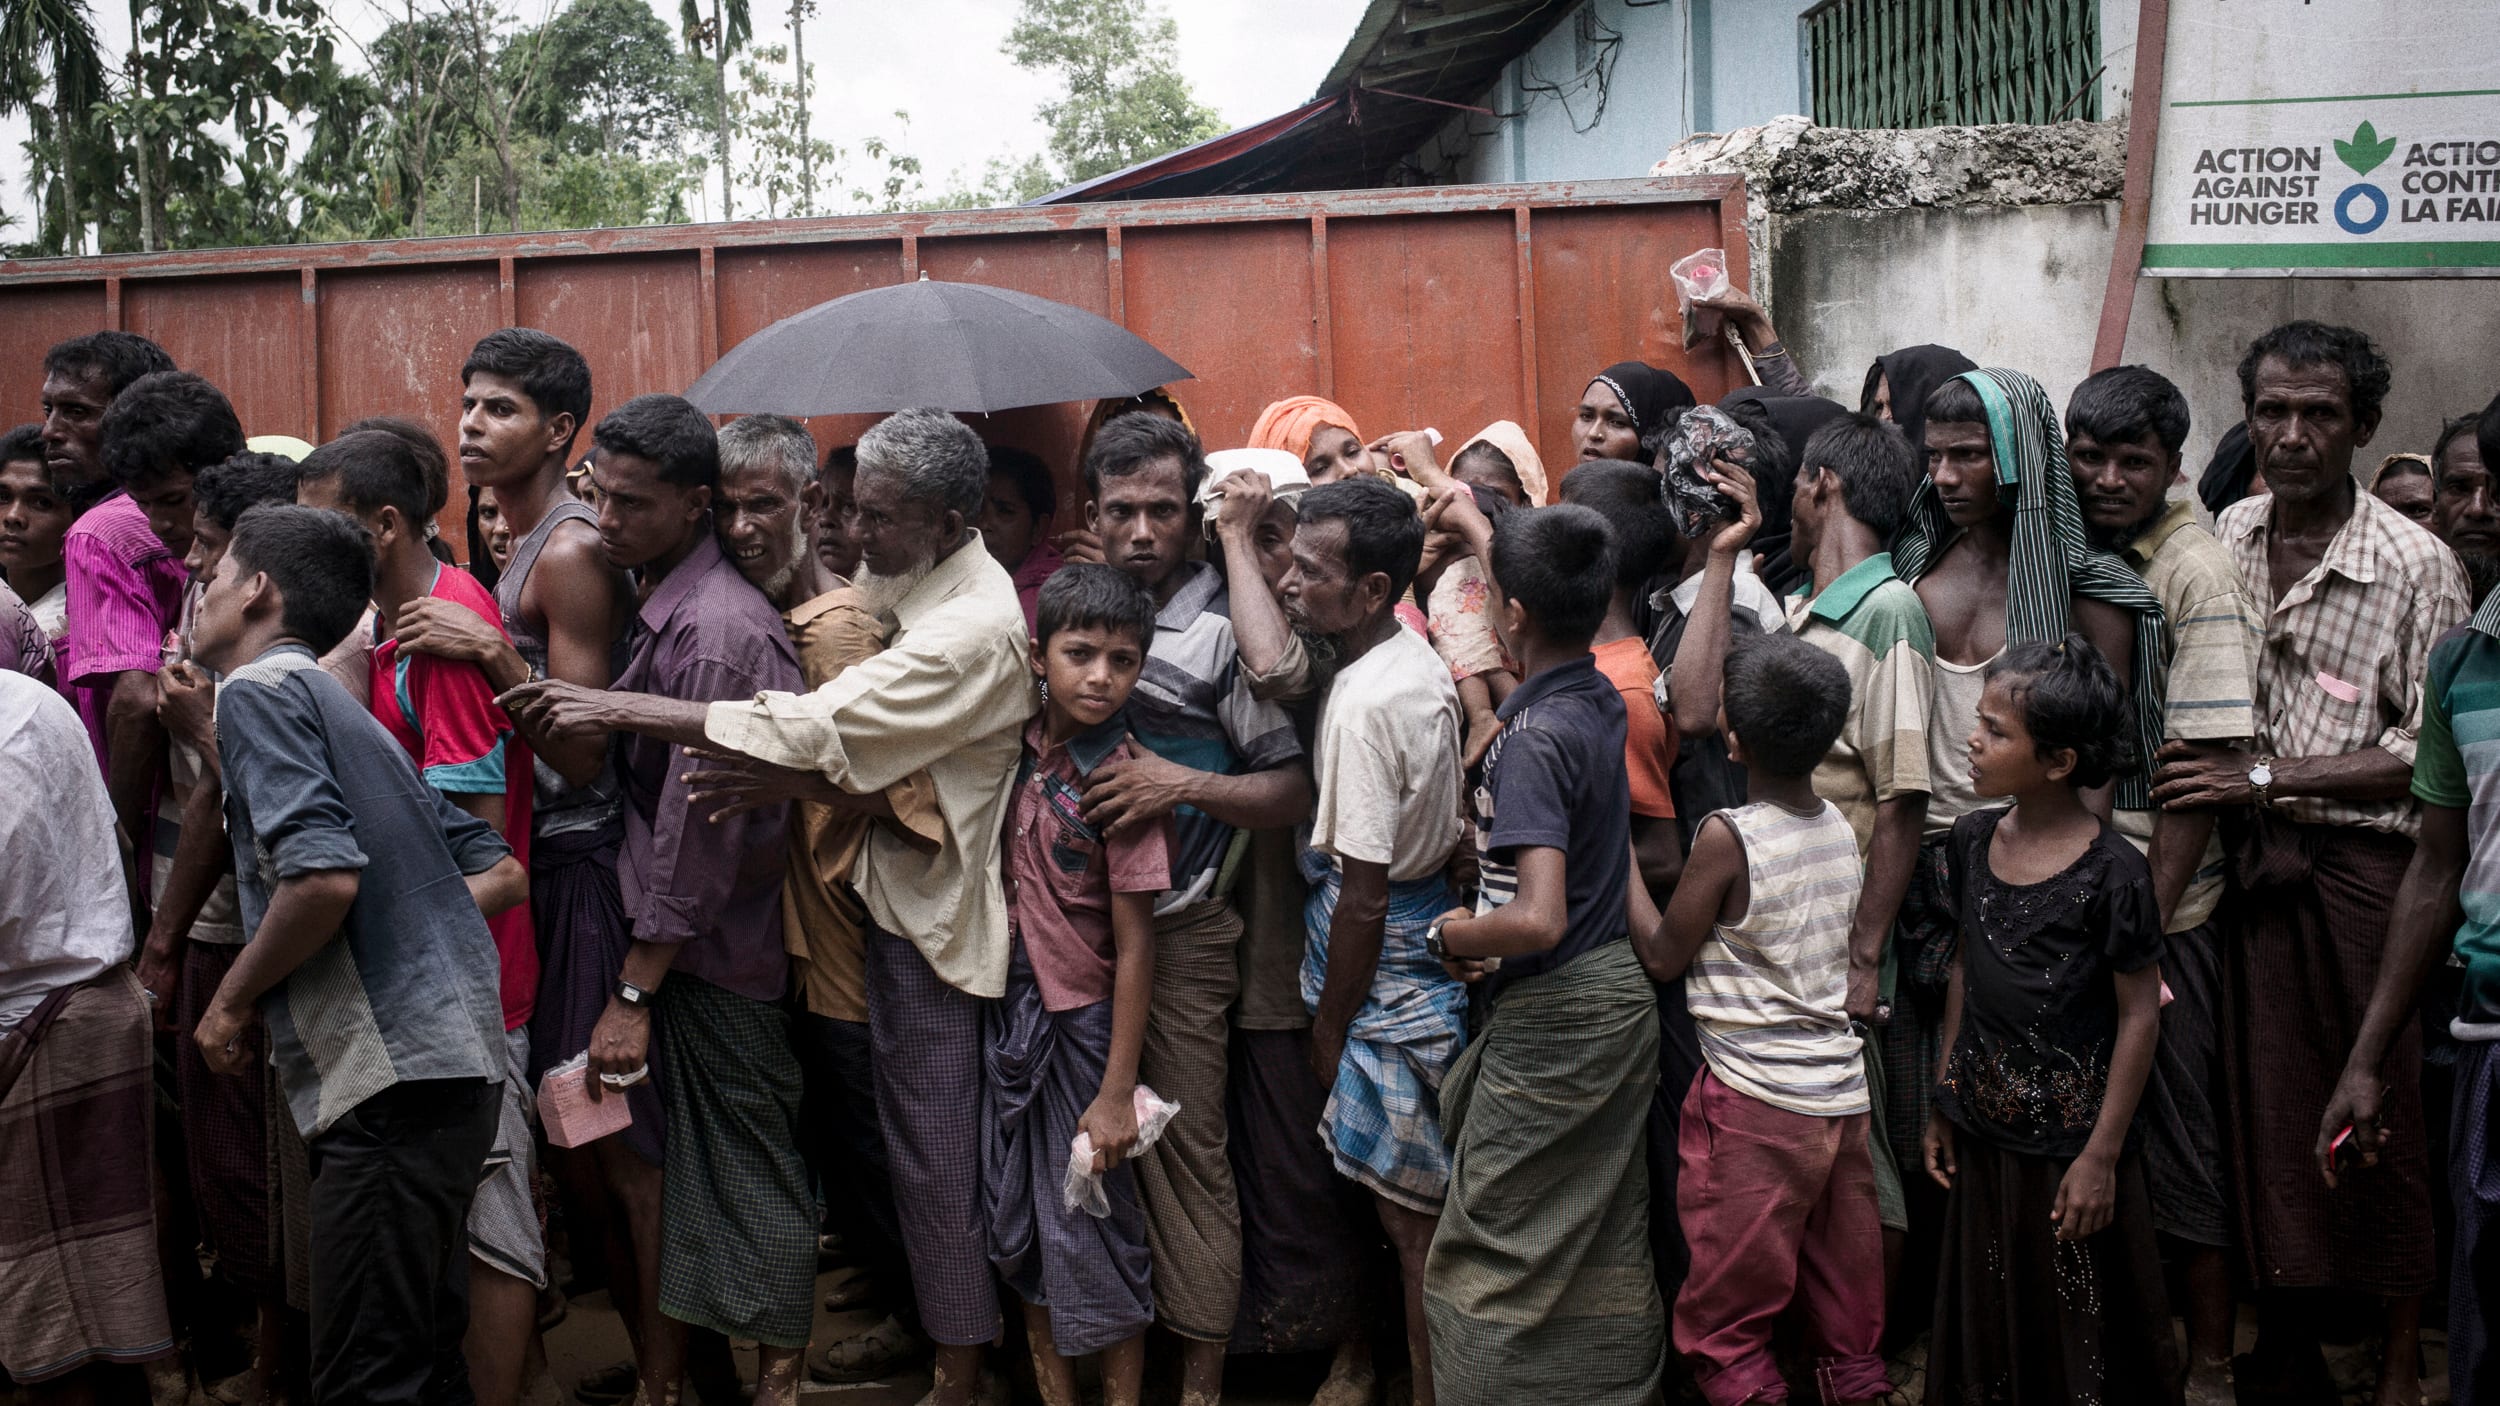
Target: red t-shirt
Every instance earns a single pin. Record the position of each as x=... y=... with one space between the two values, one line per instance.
x=1647 y=749
x=443 y=711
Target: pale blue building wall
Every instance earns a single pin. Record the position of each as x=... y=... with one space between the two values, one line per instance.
x=1665 y=69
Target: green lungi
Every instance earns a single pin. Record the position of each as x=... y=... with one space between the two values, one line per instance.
x=1539 y=1285
x=737 y=1211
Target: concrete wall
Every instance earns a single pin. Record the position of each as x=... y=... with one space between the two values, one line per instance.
x=2020 y=286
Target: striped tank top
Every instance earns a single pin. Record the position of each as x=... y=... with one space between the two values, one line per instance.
x=1767 y=994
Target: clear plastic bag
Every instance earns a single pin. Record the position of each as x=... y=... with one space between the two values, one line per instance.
x=567 y=1111
x=1084 y=1189
x=1699 y=274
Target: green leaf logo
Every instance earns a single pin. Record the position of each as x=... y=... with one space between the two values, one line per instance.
x=2365 y=151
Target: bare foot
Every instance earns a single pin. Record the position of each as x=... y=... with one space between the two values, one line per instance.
x=1350 y=1380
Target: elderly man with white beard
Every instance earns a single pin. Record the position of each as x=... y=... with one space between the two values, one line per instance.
x=948 y=695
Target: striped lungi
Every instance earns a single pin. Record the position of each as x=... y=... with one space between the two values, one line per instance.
x=1193 y=1213
x=2310 y=926
x=1383 y=1118
x=1539 y=1284
x=507 y=1231
x=79 y=1279
x=737 y=1210
x=1044 y=1068
x=927 y=1061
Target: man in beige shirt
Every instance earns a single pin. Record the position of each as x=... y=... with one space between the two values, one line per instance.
x=948 y=695
x=2124 y=430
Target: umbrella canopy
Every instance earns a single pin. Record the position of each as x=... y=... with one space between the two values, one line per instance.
x=960 y=346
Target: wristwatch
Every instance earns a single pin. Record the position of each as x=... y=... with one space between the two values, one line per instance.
x=1432 y=943
x=2261 y=781
x=633 y=995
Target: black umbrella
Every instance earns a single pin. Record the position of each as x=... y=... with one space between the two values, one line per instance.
x=959 y=346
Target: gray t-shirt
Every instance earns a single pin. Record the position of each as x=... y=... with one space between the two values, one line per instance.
x=409 y=988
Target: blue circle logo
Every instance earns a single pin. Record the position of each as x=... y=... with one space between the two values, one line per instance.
x=2357 y=194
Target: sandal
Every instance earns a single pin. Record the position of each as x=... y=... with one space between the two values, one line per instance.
x=858 y=1291
x=609 y=1385
x=870 y=1355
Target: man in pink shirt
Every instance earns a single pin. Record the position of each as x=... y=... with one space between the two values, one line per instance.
x=156 y=436
x=125 y=586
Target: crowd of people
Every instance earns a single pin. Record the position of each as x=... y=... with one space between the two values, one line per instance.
x=1768 y=899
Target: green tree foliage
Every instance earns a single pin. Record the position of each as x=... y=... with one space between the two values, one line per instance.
x=1125 y=99
x=268 y=121
x=52 y=70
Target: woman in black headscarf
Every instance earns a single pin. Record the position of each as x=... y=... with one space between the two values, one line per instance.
x=1793 y=419
x=2232 y=475
x=1898 y=384
x=1626 y=412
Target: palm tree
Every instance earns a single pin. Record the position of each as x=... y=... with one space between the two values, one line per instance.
x=727 y=31
x=55 y=39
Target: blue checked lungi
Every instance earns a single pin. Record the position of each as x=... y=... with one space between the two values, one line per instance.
x=1382 y=1122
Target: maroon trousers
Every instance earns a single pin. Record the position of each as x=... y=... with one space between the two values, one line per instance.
x=1779 y=1209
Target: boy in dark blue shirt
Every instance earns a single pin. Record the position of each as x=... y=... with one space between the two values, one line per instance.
x=1548 y=1211
x=364 y=894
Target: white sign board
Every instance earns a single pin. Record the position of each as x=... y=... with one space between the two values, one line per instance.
x=2343 y=138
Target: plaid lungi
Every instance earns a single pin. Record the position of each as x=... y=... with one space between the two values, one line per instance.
x=1043 y=1069
x=737 y=1210
x=79 y=1279
x=225 y=1133
x=2310 y=927
x=1193 y=1213
x=1539 y=1284
x=1383 y=1119
x=927 y=1061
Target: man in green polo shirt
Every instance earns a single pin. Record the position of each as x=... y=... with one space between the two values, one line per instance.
x=2450 y=898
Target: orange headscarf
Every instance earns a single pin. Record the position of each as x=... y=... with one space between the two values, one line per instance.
x=1289 y=424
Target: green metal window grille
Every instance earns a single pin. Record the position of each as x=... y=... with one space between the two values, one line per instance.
x=1931 y=63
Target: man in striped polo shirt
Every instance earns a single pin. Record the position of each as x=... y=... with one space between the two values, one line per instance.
x=2124 y=428
x=1216 y=759
x=2449 y=898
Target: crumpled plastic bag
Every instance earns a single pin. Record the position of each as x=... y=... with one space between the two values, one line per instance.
x=1704 y=433
x=1083 y=1188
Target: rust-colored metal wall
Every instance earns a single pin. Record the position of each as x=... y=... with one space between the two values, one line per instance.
x=1450 y=307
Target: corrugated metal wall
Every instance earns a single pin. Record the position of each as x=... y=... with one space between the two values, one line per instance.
x=1448 y=307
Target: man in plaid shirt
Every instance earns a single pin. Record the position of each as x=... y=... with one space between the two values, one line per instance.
x=2352 y=595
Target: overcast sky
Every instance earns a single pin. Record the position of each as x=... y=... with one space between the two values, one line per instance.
x=939 y=60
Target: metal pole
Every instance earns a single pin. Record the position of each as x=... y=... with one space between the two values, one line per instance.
x=2135 y=211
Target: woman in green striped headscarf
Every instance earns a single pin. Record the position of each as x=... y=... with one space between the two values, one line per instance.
x=1996 y=550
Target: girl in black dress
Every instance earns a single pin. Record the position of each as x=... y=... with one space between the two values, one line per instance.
x=2050 y=1286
